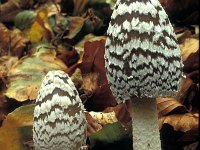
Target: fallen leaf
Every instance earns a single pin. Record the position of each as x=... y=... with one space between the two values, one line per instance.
x=92 y=125
x=185 y=88
x=88 y=38
x=16 y=128
x=68 y=56
x=79 y=6
x=74 y=27
x=8 y=11
x=25 y=77
x=169 y=105
x=6 y=63
x=189 y=46
x=110 y=133
x=182 y=122
x=40 y=28
x=24 y=19
x=90 y=83
x=180 y=12
x=11 y=42
x=93 y=62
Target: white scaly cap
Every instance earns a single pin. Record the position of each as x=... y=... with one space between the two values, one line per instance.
x=142 y=56
x=59 y=119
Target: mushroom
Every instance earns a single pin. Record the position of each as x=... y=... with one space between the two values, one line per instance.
x=143 y=62
x=59 y=119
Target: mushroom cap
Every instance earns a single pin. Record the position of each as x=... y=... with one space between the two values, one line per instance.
x=59 y=119
x=142 y=56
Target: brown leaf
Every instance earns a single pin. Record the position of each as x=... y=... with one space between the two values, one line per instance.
x=79 y=6
x=190 y=54
x=11 y=41
x=181 y=12
x=3 y=107
x=187 y=123
x=189 y=46
x=6 y=63
x=92 y=125
x=10 y=8
x=93 y=61
x=169 y=105
x=185 y=88
x=70 y=57
x=90 y=83
x=75 y=26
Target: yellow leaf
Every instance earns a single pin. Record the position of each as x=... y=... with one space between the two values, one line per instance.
x=40 y=28
x=16 y=127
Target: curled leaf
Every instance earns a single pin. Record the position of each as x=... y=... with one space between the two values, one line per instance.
x=187 y=123
x=169 y=105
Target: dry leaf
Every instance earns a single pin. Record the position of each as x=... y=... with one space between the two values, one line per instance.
x=93 y=61
x=169 y=105
x=92 y=125
x=90 y=83
x=181 y=12
x=88 y=38
x=77 y=78
x=6 y=63
x=187 y=123
x=11 y=42
x=25 y=77
x=189 y=46
x=69 y=56
x=185 y=88
x=41 y=28
x=16 y=128
x=79 y=6
x=75 y=26
x=8 y=11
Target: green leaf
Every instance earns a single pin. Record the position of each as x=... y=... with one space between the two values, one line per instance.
x=25 y=19
x=110 y=133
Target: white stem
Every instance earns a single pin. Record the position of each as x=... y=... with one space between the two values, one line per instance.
x=145 y=125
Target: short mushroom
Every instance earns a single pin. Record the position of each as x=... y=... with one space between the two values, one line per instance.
x=143 y=62
x=59 y=119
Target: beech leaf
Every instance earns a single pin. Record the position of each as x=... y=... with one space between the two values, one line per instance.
x=110 y=133
x=26 y=75
x=169 y=105
x=40 y=28
x=17 y=128
x=11 y=42
x=187 y=123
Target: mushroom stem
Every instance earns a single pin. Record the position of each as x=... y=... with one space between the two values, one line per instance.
x=145 y=125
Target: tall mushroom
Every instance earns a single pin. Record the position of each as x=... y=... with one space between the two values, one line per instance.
x=59 y=119
x=143 y=62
